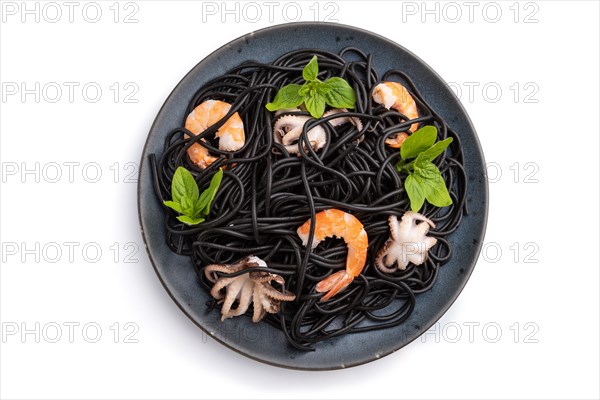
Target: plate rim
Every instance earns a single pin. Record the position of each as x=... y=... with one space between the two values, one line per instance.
x=485 y=196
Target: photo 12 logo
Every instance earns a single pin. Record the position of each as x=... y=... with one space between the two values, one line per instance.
x=268 y=11
x=69 y=332
x=69 y=252
x=69 y=92
x=489 y=332
x=52 y=12
x=469 y=11
x=493 y=92
x=68 y=172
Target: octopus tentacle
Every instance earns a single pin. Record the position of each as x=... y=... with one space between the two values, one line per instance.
x=259 y=310
x=343 y=119
x=277 y=295
x=216 y=289
x=381 y=254
x=393 y=224
x=210 y=271
x=421 y=217
x=233 y=291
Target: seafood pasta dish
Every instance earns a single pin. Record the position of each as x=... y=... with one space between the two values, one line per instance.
x=313 y=193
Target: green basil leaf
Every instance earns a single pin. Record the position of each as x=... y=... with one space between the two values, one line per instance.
x=435 y=189
x=206 y=198
x=304 y=90
x=437 y=193
x=174 y=206
x=315 y=104
x=431 y=153
x=312 y=88
x=340 y=94
x=183 y=186
x=190 y=221
x=187 y=206
x=426 y=169
x=416 y=191
x=310 y=72
x=287 y=97
x=418 y=141
x=202 y=203
x=323 y=87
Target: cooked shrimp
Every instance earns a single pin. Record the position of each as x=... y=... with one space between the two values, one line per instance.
x=331 y=223
x=394 y=95
x=230 y=134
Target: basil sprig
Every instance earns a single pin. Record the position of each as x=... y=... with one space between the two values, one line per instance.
x=424 y=181
x=314 y=93
x=187 y=199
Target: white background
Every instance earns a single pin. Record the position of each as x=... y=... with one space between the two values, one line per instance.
x=533 y=306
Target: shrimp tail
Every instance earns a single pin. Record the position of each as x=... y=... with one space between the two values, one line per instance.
x=334 y=283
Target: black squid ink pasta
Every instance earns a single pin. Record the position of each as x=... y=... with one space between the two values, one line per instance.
x=267 y=193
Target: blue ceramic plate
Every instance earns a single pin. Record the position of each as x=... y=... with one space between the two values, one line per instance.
x=261 y=341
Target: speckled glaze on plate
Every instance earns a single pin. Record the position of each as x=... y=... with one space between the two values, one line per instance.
x=261 y=341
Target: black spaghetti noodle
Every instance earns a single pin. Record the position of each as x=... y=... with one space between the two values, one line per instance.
x=266 y=194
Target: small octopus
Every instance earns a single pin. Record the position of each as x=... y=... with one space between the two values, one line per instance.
x=288 y=128
x=253 y=287
x=407 y=243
